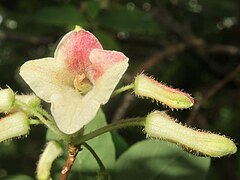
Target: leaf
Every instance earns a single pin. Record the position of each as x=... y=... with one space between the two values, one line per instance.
x=119 y=18
x=120 y=143
x=18 y=177
x=66 y=16
x=157 y=160
x=106 y=40
x=85 y=166
x=92 y=8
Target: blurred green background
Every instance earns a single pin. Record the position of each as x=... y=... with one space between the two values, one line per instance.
x=188 y=44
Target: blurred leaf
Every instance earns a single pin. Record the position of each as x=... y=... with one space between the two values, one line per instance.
x=52 y=136
x=119 y=18
x=92 y=8
x=106 y=40
x=159 y=160
x=85 y=166
x=67 y=16
x=18 y=177
x=120 y=144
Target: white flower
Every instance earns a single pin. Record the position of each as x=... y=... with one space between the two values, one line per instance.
x=79 y=78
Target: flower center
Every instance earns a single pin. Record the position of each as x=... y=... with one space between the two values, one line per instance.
x=82 y=83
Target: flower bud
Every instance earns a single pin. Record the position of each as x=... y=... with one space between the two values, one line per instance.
x=148 y=87
x=160 y=125
x=50 y=153
x=13 y=125
x=7 y=99
x=30 y=100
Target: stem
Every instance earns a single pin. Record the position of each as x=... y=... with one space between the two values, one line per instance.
x=111 y=127
x=99 y=161
x=49 y=124
x=72 y=154
x=34 y=122
x=122 y=89
x=45 y=113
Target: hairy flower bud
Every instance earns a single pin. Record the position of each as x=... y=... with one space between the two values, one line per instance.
x=160 y=125
x=147 y=87
x=50 y=153
x=7 y=99
x=13 y=125
x=30 y=100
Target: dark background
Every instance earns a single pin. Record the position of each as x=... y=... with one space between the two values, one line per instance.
x=192 y=45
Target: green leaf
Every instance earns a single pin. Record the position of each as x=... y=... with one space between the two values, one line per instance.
x=67 y=16
x=51 y=136
x=119 y=18
x=18 y=177
x=106 y=40
x=92 y=8
x=152 y=159
x=85 y=166
x=120 y=143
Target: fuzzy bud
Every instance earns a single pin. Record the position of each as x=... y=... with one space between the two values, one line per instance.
x=147 y=87
x=160 y=125
x=50 y=153
x=13 y=125
x=7 y=100
x=30 y=100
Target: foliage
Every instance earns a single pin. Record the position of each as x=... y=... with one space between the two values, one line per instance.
x=189 y=44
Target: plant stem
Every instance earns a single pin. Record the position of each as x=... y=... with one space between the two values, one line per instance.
x=99 y=161
x=72 y=154
x=49 y=123
x=122 y=89
x=111 y=127
x=45 y=113
x=34 y=122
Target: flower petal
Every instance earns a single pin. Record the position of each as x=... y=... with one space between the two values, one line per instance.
x=45 y=78
x=109 y=66
x=74 y=49
x=72 y=111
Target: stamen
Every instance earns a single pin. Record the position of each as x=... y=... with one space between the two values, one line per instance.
x=82 y=83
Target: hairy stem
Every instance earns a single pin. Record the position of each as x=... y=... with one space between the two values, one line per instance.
x=111 y=127
x=122 y=89
x=34 y=122
x=49 y=123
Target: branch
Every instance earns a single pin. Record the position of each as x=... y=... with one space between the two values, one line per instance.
x=72 y=154
x=212 y=91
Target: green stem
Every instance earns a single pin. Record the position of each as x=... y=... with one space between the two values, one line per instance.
x=45 y=113
x=34 y=122
x=99 y=161
x=50 y=124
x=122 y=89
x=111 y=127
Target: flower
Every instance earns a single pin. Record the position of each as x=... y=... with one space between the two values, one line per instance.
x=50 y=153
x=13 y=125
x=160 y=125
x=79 y=78
x=7 y=100
x=145 y=86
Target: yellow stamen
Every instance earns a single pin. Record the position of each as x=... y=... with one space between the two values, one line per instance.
x=82 y=83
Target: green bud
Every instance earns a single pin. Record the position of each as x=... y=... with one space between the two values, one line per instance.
x=13 y=125
x=145 y=86
x=31 y=100
x=160 y=125
x=50 y=153
x=7 y=100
